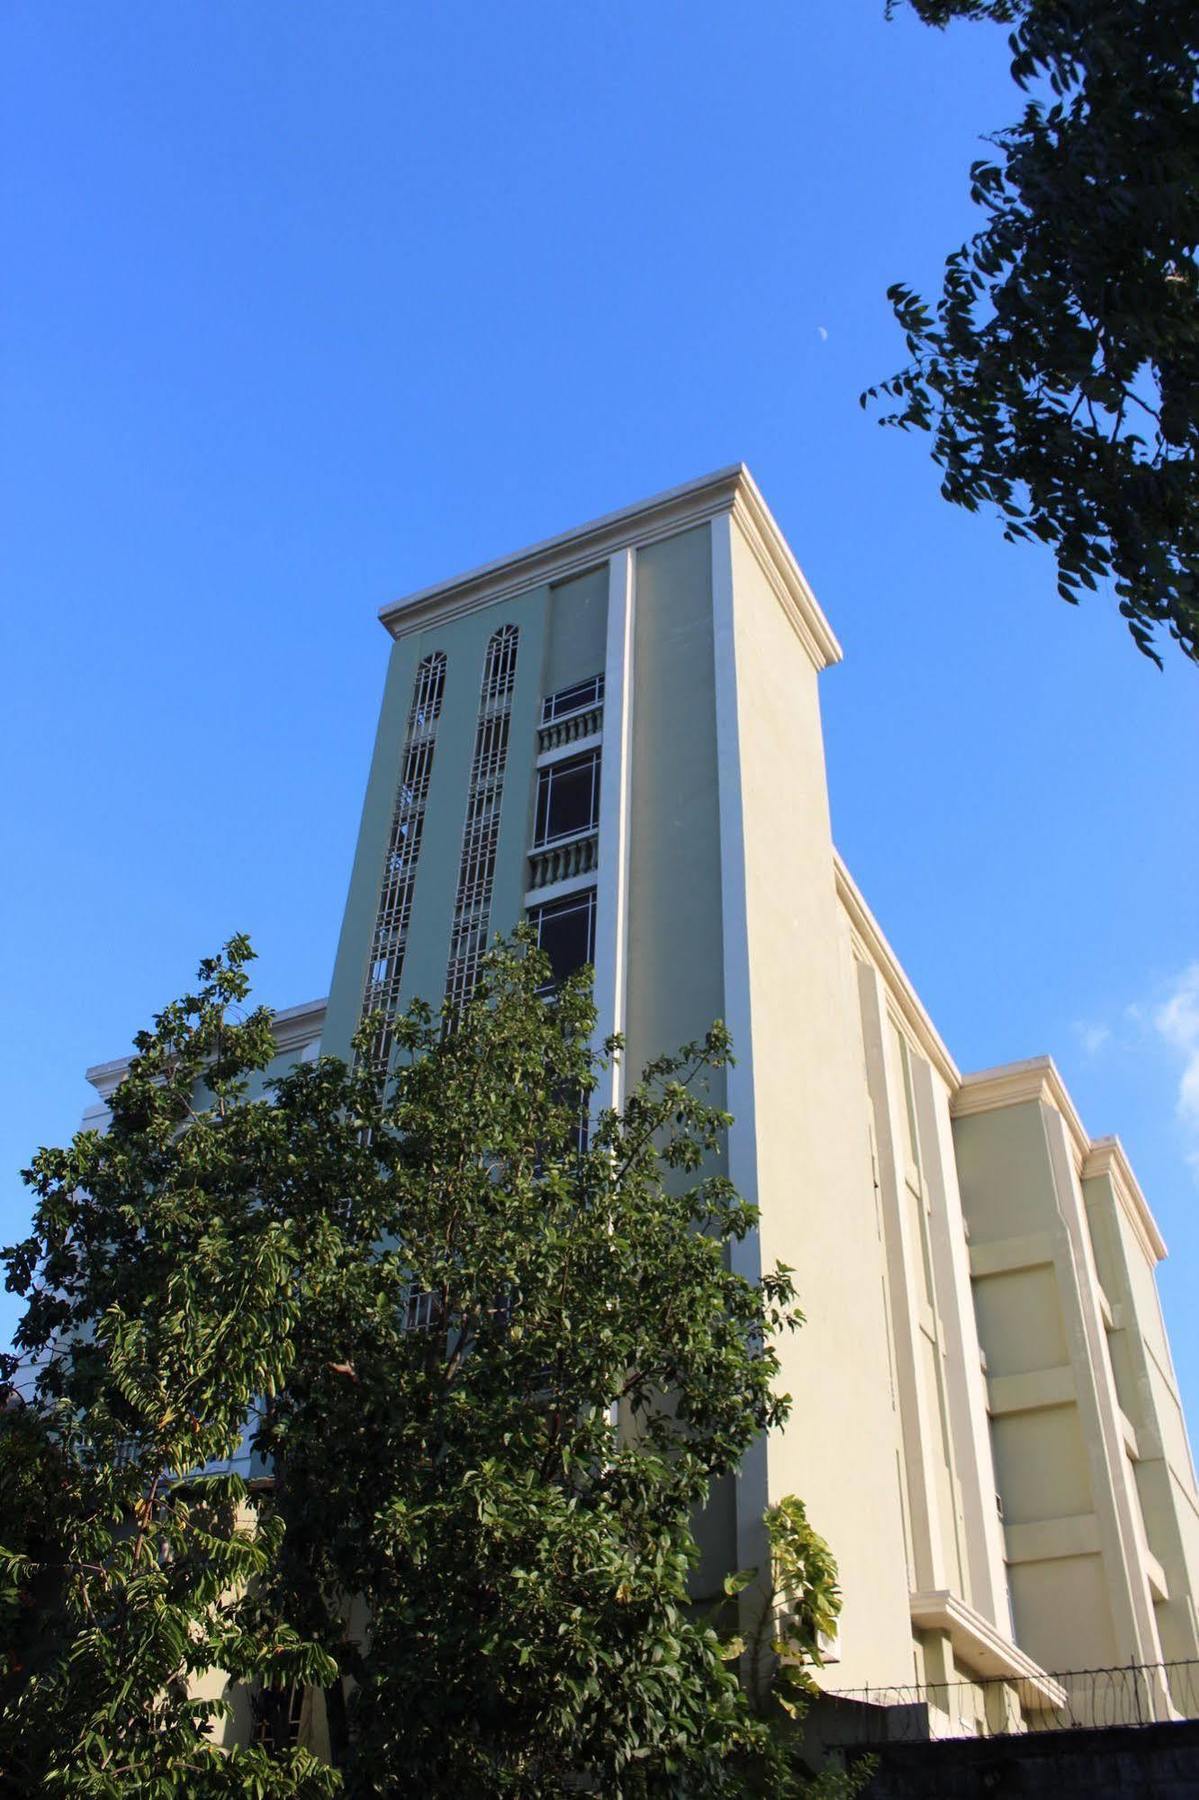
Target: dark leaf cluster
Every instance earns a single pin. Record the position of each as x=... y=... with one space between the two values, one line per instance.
x=1059 y=370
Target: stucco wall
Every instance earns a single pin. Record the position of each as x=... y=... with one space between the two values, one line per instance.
x=1071 y=1513
x=675 y=982
x=810 y=1149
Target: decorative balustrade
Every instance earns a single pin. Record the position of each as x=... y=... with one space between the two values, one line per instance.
x=570 y=730
x=559 y=862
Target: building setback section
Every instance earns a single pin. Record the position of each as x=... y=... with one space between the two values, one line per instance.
x=986 y=1424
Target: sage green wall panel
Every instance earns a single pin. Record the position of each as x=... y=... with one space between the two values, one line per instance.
x=675 y=952
x=358 y=920
x=1020 y=1323
x=578 y=630
x=675 y=955
x=1004 y=1171
x=465 y=643
x=1042 y=1465
x=1061 y=1604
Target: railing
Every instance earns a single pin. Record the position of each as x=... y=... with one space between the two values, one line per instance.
x=1090 y=1699
x=568 y=731
x=561 y=863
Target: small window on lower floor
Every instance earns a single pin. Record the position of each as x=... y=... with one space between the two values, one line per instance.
x=566 y=931
x=567 y=798
x=568 y=700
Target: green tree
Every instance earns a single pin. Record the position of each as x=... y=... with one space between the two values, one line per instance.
x=1059 y=370
x=493 y=1367
x=159 y=1305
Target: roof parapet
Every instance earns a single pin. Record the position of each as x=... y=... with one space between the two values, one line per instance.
x=1038 y=1078
x=293 y=1027
x=729 y=490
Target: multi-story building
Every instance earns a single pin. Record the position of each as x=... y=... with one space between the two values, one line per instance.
x=616 y=734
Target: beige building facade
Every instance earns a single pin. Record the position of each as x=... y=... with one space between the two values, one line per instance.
x=617 y=735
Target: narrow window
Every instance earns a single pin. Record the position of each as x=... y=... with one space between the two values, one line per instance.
x=386 y=965
x=566 y=931
x=579 y=698
x=567 y=798
x=480 y=833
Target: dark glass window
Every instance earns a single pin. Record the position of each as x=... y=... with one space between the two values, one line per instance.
x=567 y=798
x=566 y=931
x=579 y=698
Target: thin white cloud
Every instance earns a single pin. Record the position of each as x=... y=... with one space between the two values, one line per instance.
x=1093 y=1037
x=823 y=331
x=1176 y=1021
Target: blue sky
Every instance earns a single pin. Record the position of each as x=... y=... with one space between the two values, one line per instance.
x=307 y=305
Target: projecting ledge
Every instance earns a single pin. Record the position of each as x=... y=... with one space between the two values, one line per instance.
x=1053 y=1540
x=1009 y=1256
x=1032 y=1391
x=982 y=1647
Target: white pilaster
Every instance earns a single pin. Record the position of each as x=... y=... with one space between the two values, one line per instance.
x=920 y=1428
x=612 y=877
x=966 y=1387
x=1116 y=1504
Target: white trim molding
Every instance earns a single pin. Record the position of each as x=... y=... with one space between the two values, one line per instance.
x=873 y=948
x=752 y=1479
x=1106 y=1156
x=611 y=875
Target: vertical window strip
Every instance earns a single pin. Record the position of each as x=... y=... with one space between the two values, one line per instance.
x=480 y=833
x=386 y=967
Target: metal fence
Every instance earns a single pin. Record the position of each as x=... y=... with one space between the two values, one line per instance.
x=1075 y=1699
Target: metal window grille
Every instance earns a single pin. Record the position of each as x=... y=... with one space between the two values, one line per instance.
x=279 y=1716
x=578 y=698
x=480 y=833
x=422 y=1311
x=386 y=967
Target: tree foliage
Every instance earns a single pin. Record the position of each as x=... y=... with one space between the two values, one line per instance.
x=802 y=1605
x=1059 y=370
x=160 y=1304
x=493 y=1368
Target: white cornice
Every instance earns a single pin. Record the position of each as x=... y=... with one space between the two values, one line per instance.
x=297 y=1026
x=294 y=1027
x=1011 y=1084
x=1107 y=1157
x=773 y=552
x=106 y=1076
x=731 y=490
x=877 y=951
x=1039 y=1079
